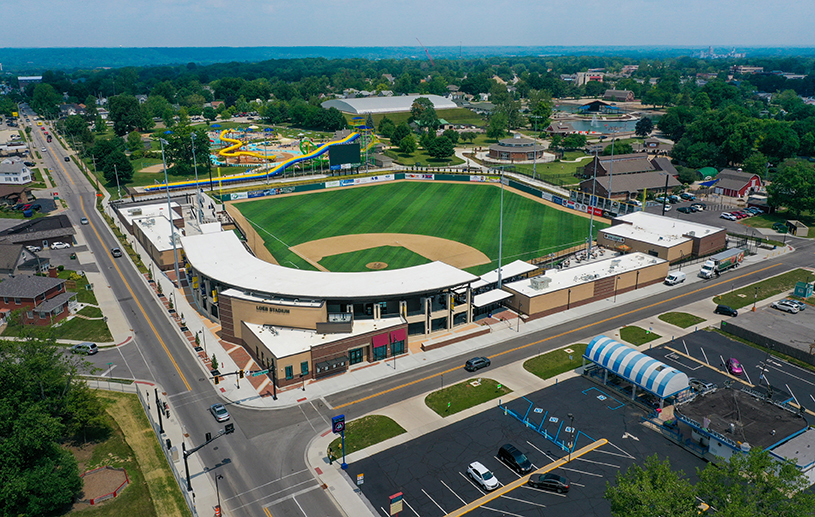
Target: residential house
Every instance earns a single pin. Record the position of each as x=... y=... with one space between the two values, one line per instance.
x=619 y=95
x=40 y=232
x=11 y=256
x=14 y=172
x=43 y=300
x=13 y=194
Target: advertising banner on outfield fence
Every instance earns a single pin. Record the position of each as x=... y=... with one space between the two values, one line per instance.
x=414 y=176
x=547 y=196
x=557 y=200
x=332 y=184
x=482 y=179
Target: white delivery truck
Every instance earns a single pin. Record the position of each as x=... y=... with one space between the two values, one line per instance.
x=674 y=278
x=721 y=262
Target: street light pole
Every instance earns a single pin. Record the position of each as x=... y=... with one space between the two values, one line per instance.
x=170 y=212
x=118 y=189
x=198 y=202
x=218 y=492
x=571 y=433
x=592 y=202
x=501 y=230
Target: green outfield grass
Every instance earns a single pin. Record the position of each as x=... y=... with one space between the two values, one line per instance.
x=395 y=257
x=464 y=213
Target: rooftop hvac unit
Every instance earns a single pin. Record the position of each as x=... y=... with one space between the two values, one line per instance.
x=540 y=282
x=691 y=233
x=149 y=222
x=135 y=211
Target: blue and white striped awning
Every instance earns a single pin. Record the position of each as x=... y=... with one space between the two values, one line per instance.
x=645 y=372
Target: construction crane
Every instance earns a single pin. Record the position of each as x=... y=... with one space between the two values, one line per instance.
x=428 y=54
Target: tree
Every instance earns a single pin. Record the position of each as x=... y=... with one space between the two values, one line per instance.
x=452 y=135
x=127 y=114
x=793 y=186
x=76 y=127
x=654 y=490
x=210 y=113
x=619 y=148
x=574 y=141
x=755 y=484
x=179 y=150
x=45 y=100
x=400 y=132
x=424 y=114
x=756 y=163
x=112 y=161
x=497 y=125
x=441 y=148
x=644 y=127
x=407 y=144
x=369 y=121
x=134 y=144
x=386 y=127
x=539 y=116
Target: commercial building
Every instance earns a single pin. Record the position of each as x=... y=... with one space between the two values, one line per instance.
x=395 y=104
x=735 y=183
x=561 y=289
x=619 y=95
x=627 y=187
x=518 y=149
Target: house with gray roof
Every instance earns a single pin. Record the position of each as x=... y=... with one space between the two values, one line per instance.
x=14 y=172
x=629 y=186
x=42 y=300
x=40 y=232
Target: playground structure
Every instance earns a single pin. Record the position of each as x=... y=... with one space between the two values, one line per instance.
x=232 y=150
x=257 y=174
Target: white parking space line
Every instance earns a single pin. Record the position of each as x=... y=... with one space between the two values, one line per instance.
x=583 y=472
x=468 y=478
x=543 y=491
x=686 y=348
x=599 y=463
x=793 y=394
x=411 y=508
x=626 y=455
x=434 y=502
x=748 y=376
x=507 y=467
x=453 y=492
x=578 y=484
x=794 y=376
x=704 y=354
x=502 y=512
x=523 y=501
x=540 y=451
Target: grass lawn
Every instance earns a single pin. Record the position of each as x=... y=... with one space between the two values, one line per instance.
x=464 y=213
x=82 y=295
x=453 y=116
x=7 y=213
x=781 y=216
x=556 y=173
x=557 y=361
x=637 y=336
x=394 y=256
x=421 y=158
x=681 y=319
x=461 y=396
x=766 y=288
x=153 y=490
x=364 y=432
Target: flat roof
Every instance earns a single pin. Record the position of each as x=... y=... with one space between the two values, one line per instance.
x=570 y=277
x=222 y=257
x=658 y=229
x=800 y=449
x=285 y=342
x=145 y=211
x=157 y=231
x=395 y=104
x=754 y=420
x=519 y=267
x=251 y=297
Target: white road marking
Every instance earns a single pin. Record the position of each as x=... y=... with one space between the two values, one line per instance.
x=627 y=455
x=298 y=505
x=705 y=355
x=599 y=463
x=472 y=482
x=795 y=376
x=411 y=508
x=793 y=394
x=278 y=501
x=453 y=492
x=544 y=491
x=269 y=483
x=523 y=501
x=629 y=435
x=106 y=372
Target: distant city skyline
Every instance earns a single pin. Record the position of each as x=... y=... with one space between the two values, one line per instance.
x=214 y=23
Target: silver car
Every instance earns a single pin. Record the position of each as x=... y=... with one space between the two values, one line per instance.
x=219 y=412
x=785 y=306
x=801 y=305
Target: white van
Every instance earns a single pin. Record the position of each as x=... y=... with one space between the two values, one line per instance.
x=675 y=278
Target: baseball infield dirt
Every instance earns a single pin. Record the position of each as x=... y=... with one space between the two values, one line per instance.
x=433 y=248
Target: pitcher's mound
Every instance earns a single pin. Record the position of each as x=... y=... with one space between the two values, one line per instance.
x=376 y=265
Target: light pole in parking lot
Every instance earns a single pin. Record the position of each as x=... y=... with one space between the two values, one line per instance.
x=571 y=435
x=755 y=299
x=170 y=211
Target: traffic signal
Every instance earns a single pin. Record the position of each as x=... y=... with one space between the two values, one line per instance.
x=217 y=380
x=240 y=374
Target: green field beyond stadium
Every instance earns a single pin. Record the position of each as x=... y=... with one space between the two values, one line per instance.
x=466 y=213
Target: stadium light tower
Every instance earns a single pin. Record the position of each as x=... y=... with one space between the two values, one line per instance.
x=170 y=212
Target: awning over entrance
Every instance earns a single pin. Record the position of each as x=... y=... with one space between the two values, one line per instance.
x=398 y=335
x=490 y=297
x=380 y=340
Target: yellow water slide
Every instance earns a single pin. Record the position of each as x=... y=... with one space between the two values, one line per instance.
x=232 y=150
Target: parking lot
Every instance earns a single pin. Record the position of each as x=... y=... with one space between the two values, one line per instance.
x=431 y=470
x=709 y=350
x=711 y=215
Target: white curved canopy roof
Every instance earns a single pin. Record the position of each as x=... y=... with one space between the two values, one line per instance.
x=394 y=104
x=223 y=258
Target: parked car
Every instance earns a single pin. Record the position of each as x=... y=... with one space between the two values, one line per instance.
x=701 y=385
x=476 y=363
x=116 y=252
x=726 y=310
x=728 y=216
x=219 y=412
x=36 y=206
x=33 y=249
x=549 y=481
x=43 y=149
x=685 y=210
x=675 y=278
x=482 y=475
x=515 y=459
x=699 y=206
x=660 y=199
x=782 y=305
x=85 y=348
x=734 y=366
x=780 y=227
x=667 y=207
x=674 y=199
x=687 y=196
x=60 y=245
x=29 y=164
x=801 y=305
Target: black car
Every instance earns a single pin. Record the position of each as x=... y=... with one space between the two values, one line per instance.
x=685 y=210
x=515 y=459
x=550 y=481
x=726 y=310
x=29 y=164
x=476 y=363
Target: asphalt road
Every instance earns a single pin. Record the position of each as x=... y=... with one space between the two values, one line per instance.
x=263 y=461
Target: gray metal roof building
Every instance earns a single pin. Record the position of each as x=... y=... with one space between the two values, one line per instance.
x=396 y=104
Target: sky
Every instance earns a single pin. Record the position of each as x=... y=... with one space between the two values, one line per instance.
x=353 y=23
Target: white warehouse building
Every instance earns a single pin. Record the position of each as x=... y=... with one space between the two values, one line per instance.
x=396 y=104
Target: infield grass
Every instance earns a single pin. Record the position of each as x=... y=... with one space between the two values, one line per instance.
x=395 y=257
x=464 y=213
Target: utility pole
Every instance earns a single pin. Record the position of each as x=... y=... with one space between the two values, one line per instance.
x=228 y=428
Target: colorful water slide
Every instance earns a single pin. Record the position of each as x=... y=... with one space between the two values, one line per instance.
x=237 y=178
x=232 y=150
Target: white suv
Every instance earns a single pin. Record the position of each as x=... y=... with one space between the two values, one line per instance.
x=482 y=475
x=728 y=216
